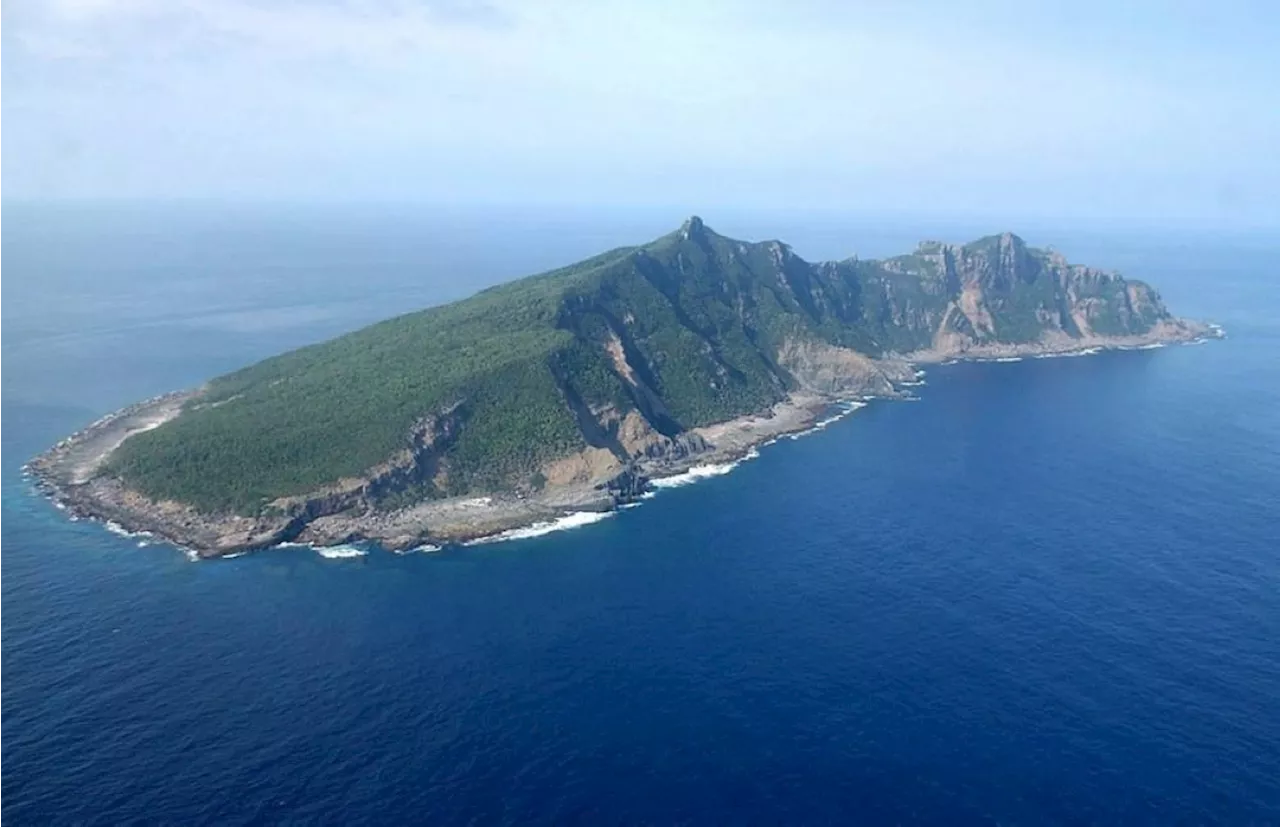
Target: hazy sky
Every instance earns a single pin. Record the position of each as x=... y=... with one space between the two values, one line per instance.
x=1159 y=109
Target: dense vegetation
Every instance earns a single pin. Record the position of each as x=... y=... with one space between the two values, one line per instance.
x=699 y=318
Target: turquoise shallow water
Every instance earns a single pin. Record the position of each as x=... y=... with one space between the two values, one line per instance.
x=1047 y=592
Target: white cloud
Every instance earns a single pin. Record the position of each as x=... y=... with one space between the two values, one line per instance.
x=58 y=46
x=604 y=100
x=79 y=11
x=367 y=28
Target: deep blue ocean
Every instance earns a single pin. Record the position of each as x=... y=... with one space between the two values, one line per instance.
x=1047 y=592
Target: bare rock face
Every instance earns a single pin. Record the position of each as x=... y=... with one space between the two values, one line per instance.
x=642 y=441
x=1000 y=291
x=838 y=371
x=590 y=465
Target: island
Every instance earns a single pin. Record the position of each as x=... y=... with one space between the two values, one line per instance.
x=573 y=391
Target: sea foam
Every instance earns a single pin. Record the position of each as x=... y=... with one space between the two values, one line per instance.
x=338 y=552
x=120 y=531
x=1059 y=354
x=845 y=409
x=342 y=552
x=568 y=521
x=695 y=474
x=425 y=548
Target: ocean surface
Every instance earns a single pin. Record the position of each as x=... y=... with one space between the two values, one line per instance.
x=1048 y=592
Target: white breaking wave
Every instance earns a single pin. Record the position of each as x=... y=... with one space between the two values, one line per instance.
x=338 y=552
x=699 y=473
x=120 y=531
x=343 y=552
x=773 y=440
x=846 y=408
x=568 y=521
x=1067 y=354
x=425 y=548
x=1007 y=359
x=695 y=474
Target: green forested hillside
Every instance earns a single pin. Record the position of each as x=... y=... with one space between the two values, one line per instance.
x=685 y=329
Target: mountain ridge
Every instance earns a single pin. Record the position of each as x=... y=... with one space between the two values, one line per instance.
x=573 y=387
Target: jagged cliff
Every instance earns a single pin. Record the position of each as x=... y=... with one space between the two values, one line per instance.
x=999 y=290
x=571 y=387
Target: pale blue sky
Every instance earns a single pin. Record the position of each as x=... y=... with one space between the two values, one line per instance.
x=1133 y=110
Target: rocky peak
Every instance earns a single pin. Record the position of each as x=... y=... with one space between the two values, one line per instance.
x=996 y=245
x=1009 y=240
x=693 y=228
x=780 y=253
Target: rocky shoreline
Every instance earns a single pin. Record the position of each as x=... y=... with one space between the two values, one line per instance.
x=68 y=473
x=1056 y=343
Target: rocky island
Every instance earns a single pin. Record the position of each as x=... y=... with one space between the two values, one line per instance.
x=571 y=391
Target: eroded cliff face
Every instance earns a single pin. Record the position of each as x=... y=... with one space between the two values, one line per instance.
x=1000 y=291
x=841 y=372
